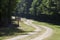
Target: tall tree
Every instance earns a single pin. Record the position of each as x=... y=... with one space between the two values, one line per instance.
x=6 y=8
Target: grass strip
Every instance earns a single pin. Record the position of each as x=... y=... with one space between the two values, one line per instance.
x=10 y=32
x=56 y=28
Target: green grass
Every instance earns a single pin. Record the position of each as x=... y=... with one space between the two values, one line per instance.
x=34 y=35
x=56 y=29
x=10 y=32
x=26 y=28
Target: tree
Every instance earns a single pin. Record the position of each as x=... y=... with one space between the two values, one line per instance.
x=6 y=8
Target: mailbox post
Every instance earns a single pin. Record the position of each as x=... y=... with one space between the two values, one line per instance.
x=18 y=19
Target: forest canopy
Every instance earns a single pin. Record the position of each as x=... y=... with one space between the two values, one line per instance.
x=43 y=9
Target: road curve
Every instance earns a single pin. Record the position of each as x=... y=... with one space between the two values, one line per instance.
x=37 y=29
x=46 y=34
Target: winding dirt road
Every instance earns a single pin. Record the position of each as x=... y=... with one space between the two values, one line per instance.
x=46 y=34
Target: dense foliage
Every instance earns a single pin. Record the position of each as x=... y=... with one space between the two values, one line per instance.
x=43 y=9
x=6 y=8
x=40 y=6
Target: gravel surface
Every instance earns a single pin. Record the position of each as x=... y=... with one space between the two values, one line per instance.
x=46 y=34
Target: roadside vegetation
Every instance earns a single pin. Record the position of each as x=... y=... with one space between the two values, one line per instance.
x=10 y=32
x=56 y=29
